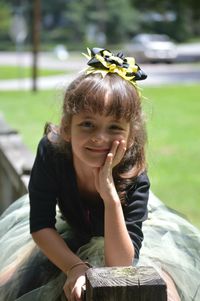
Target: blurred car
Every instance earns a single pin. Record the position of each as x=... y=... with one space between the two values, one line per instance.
x=152 y=48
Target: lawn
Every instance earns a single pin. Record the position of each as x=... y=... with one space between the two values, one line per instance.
x=173 y=129
x=12 y=72
x=174 y=146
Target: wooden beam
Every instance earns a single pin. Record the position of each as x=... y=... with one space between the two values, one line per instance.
x=16 y=162
x=124 y=284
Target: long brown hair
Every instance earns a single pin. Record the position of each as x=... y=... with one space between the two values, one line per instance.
x=88 y=92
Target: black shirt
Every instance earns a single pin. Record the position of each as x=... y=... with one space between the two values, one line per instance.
x=53 y=181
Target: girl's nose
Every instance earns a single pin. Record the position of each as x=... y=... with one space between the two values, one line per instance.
x=94 y=139
x=99 y=137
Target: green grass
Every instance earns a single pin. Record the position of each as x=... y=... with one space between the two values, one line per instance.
x=12 y=72
x=173 y=114
x=174 y=146
x=27 y=112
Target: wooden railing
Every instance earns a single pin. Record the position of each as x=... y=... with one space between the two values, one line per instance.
x=124 y=284
x=15 y=165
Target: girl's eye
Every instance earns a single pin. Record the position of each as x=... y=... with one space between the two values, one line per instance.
x=115 y=127
x=87 y=124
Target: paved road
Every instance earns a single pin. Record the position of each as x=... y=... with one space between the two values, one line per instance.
x=157 y=74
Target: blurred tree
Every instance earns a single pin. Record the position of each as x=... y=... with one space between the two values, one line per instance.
x=9 y=9
x=182 y=26
x=74 y=22
x=76 y=19
x=5 y=21
x=114 y=18
x=122 y=18
x=5 y=11
x=180 y=19
x=52 y=12
x=195 y=16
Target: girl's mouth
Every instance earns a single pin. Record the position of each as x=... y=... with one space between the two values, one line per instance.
x=98 y=150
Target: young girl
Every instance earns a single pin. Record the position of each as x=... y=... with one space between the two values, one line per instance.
x=88 y=196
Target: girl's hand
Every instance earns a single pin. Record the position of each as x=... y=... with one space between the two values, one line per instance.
x=103 y=176
x=74 y=283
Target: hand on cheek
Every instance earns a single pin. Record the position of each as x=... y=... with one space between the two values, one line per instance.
x=117 y=151
x=103 y=176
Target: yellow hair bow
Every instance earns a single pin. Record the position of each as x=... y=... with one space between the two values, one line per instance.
x=103 y=61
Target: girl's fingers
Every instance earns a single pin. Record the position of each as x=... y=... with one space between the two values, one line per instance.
x=114 y=148
x=111 y=154
x=116 y=154
x=107 y=167
x=119 y=153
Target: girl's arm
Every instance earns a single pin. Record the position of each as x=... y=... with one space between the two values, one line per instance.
x=119 y=250
x=43 y=193
x=55 y=248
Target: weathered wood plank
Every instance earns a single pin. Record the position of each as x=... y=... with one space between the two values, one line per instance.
x=152 y=285
x=16 y=162
x=124 y=284
x=16 y=153
x=5 y=128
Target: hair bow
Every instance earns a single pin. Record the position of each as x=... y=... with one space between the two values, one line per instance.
x=103 y=61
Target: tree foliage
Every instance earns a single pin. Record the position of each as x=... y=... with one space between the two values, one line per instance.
x=78 y=21
x=5 y=20
x=186 y=22
x=115 y=18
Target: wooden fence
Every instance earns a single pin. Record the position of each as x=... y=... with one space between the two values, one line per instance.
x=15 y=165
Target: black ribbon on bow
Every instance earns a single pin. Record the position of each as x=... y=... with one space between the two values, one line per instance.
x=119 y=60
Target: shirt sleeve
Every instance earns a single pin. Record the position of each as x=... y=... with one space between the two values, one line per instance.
x=135 y=211
x=43 y=188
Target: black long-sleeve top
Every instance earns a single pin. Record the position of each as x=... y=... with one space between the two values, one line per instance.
x=53 y=181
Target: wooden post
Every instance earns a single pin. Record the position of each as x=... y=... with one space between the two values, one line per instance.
x=36 y=40
x=124 y=284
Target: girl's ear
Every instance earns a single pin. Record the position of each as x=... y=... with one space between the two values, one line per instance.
x=67 y=137
x=66 y=133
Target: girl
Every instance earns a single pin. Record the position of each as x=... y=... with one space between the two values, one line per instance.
x=88 y=197
x=102 y=137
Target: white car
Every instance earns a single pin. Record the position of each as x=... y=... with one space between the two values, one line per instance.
x=152 y=48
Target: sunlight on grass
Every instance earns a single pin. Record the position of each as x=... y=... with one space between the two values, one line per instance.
x=12 y=72
x=28 y=112
x=173 y=150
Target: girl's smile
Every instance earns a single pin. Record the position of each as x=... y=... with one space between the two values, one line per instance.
x=98 y=150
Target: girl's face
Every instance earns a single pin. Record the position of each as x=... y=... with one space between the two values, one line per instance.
x=92 y=136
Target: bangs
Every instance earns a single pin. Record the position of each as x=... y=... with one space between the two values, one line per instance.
x=111 y=95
